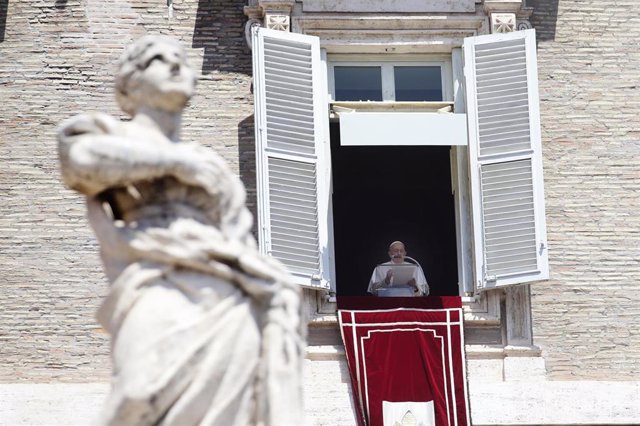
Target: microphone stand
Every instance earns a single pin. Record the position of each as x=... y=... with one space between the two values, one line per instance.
x=413 y=261
x=420 y=266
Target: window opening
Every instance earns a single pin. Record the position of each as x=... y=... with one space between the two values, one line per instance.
x=386 y=193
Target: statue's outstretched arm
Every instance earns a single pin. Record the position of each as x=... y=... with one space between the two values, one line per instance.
x=93 y=158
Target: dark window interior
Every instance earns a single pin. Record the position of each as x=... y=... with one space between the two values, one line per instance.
x=358 y=83
x=418 y=83
x=382 y=194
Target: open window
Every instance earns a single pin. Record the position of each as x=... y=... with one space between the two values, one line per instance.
x=390 y=151
x=295 y=155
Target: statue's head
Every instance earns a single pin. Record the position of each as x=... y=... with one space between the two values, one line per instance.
x=153 y=72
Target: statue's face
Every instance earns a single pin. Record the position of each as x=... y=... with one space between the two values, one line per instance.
x=167 y=82
x=165 y=67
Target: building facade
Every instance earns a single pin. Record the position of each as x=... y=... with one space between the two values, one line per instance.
x=560 y=347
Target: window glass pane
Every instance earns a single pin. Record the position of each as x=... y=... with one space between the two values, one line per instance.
x=418 y=83
x=358 y=83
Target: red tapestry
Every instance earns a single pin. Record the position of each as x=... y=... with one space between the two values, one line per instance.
x=406 y=360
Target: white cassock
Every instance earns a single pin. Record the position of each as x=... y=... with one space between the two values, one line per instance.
x=380 y=273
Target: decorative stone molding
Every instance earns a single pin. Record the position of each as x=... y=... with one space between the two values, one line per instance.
x=401 y=34
x=522 y=19
x=278 y=22
x=523 y=24
x=502 y=6
x=277 y=14
x=272 y=14
x=254 y=13
x=503 y=22
x=507 y=15
x=247 y=30
x=386 y=6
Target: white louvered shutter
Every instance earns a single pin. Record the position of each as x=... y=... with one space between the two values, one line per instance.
x=292 y=168
x=510 y=243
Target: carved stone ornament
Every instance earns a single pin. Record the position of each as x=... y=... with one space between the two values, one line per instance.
x=523 y=19
x=503 y=22
x=205 y=330
x=523 y=24
x=247 y=31
x=278 y=22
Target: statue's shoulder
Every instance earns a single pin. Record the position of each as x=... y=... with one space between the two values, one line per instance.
x=96 y=123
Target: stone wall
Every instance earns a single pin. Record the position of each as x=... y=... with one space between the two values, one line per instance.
x=57 y=58
x=585 y=318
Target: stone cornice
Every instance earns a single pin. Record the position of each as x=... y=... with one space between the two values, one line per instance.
x=277 y=5
x=388 y=22
x=502 y=6
x=370 y=33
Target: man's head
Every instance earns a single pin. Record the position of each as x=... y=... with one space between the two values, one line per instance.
x=397 y=252
x=153 y=72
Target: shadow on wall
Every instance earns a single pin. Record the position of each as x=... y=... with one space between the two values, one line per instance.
x=247 y=163
x=544 y=18
x=4 y=5
x=219 y=30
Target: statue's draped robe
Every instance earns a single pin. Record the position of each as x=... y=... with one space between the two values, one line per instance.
x=205 y=330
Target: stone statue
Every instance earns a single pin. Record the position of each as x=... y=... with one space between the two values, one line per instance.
x=205 y=330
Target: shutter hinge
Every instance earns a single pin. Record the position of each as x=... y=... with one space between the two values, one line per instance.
x=486 y=277
x=542 y=247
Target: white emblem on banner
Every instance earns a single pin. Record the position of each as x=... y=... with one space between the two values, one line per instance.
x=408 y=413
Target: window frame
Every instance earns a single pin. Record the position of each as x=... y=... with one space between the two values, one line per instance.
x=465 y=191
x=452 y=91
x=386 y=63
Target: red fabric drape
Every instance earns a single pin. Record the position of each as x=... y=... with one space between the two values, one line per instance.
x=401 y=354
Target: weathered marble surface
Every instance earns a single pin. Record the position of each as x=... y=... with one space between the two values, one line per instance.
x=205 y=330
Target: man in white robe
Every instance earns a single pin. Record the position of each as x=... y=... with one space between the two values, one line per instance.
x=383 y=274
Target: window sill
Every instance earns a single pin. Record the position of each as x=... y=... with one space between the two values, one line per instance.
x=337 y=107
